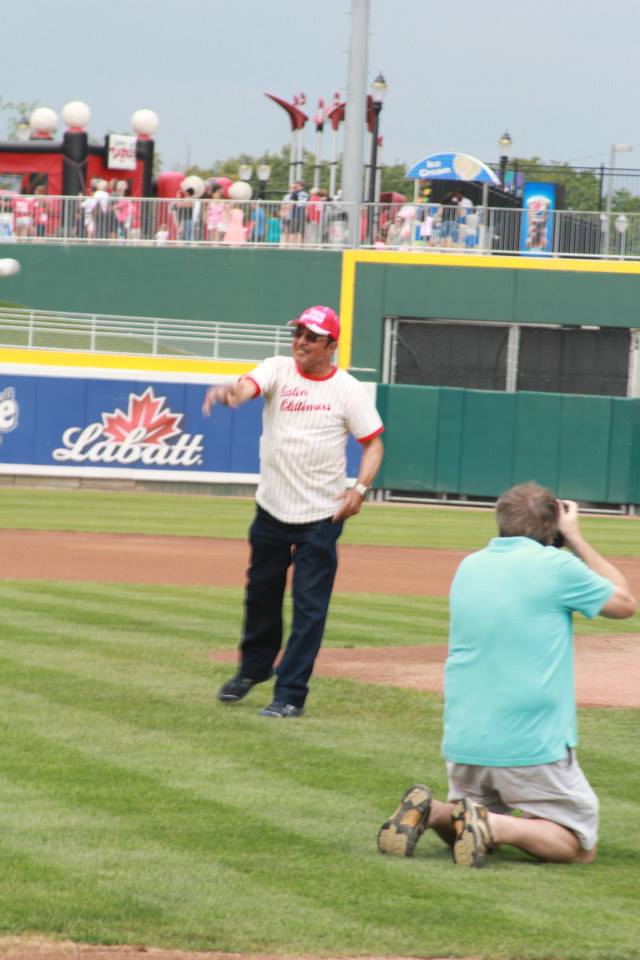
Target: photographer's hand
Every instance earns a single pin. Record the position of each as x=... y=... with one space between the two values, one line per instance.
x=622 y=603
x=568 y=524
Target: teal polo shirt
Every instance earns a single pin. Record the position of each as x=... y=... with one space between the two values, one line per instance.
x=509 y=676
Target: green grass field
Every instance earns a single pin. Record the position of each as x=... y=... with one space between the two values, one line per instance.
x=136 y=809
x=189 y=515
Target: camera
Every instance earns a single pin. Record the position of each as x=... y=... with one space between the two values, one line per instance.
x=559 y=540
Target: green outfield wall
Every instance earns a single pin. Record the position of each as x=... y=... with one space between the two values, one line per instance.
x=445 y=440
x=235 y=285
x=269 y=285
x=493 y=289
x=479 y=442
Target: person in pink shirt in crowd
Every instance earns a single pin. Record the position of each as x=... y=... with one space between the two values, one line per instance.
x=215 y=221
x=123 y=209
x=41 y=211
x=23 y=215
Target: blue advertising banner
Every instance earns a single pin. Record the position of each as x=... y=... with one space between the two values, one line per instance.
x=538 y=205
x=75 y=426
x=452 y=166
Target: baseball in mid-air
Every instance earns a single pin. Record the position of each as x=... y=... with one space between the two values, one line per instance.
x=8 y=267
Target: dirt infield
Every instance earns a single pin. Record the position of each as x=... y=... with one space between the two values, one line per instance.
x=126 y=558
x=16 y=948
x=607 y=668
x=134 y=558
x=607 y=673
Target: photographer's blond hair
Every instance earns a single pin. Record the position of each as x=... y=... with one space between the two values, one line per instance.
x=528 y=510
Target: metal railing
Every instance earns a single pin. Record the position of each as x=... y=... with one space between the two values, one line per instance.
x=537 y=231
x=177 y=222
x=147 y=336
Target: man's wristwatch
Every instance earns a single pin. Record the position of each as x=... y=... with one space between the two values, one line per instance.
x=362 y=489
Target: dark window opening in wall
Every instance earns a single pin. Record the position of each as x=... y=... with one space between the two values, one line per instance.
x=442 y=354
x=574 y=360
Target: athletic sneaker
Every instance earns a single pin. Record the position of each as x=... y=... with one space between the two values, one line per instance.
x=281 y=710
x=237 y=688
x=473 y=834
x=399 y=834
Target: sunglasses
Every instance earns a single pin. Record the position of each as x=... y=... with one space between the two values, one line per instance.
x=301 y=333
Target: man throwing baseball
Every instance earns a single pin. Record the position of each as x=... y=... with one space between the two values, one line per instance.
x=510 y=713
x=310 y=408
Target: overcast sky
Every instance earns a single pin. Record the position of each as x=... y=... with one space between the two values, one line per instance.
x=560 y=75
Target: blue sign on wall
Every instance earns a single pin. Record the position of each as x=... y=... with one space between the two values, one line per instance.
x=75 y=425
x=538 y=204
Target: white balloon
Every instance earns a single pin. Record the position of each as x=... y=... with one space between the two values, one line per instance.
x=240 y=190
x=76 y=114
x=194 y=183
x=145 y=122
x=44 y=120
x=9 y=267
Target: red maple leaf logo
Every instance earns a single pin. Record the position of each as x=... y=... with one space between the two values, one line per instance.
x=144 y=411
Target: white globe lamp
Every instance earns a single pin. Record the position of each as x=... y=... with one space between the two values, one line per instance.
x=76 y=115
x=144 y=123
x=240 y=190
x=44 y=121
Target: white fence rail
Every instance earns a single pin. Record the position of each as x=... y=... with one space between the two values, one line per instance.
x=146 y=336
x=318 y=225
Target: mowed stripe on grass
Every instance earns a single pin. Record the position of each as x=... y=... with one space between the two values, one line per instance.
x=163 y=514
x=137 y=809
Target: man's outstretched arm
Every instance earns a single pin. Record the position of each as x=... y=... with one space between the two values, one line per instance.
x=229 y=394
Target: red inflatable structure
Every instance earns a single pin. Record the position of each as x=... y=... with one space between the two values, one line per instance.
x=67 y=167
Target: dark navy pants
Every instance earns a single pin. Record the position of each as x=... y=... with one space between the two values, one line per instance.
x=311 y=548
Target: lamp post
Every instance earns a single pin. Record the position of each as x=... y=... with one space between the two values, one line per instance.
x=505 y=144
x=378 y=92
x=23 y=129
x=244 y=171
x=263 y=171
x=615 y=149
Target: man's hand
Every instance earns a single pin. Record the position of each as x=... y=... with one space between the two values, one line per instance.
x=351 y=503
x=568 y=524
x=216 y=394
x=372 y=452
x=229 y=394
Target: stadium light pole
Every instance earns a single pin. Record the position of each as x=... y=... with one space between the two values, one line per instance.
x=355 y=116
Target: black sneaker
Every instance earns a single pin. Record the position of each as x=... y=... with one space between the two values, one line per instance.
x=281 y=710
x=399 y=834
x=237 y=688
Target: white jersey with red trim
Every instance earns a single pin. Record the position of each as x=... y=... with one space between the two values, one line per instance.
x=305 y=425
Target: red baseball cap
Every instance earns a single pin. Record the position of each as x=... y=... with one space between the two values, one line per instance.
x=321 y=320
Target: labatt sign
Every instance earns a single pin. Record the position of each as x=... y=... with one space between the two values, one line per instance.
x=141 y=435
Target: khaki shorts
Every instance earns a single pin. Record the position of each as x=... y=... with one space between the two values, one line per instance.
x=558 y=791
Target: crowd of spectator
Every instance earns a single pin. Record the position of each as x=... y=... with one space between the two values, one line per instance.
x=453 y=223
x=108 y=212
